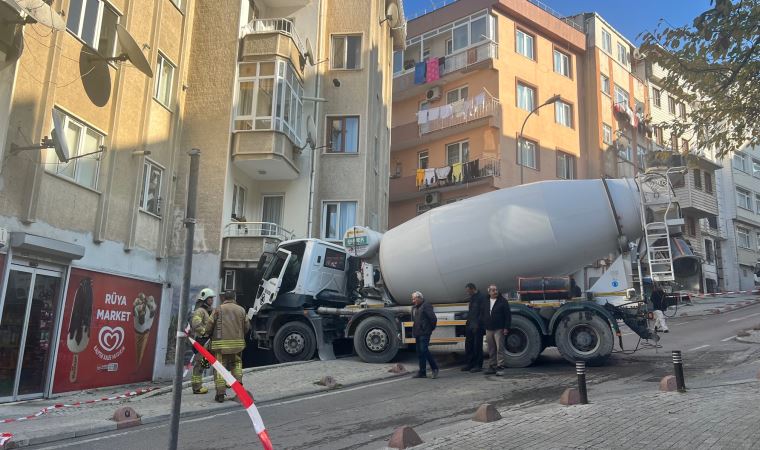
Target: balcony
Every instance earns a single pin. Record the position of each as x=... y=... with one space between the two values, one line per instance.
x=455 y=66
x=264 y=39
x=244 y=242
x=477 y=172
x=264 y=155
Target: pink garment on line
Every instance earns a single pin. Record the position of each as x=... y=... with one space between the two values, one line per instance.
x=433 y=72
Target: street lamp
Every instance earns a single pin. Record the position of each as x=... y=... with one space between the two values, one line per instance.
x=520 y=161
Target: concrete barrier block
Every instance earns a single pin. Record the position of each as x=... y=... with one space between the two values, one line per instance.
x=404 y=437
x=668 y=384
x=571 y=396
x=126 y=417
x=486 y=413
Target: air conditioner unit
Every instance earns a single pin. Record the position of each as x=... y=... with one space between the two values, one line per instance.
x=433 y=93
x=432 y=198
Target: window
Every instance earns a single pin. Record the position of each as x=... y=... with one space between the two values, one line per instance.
x=343 y=133
x=641 y=156
x=335 y=259
x=684 y=145
x=238 y=202
x=563 y=113
x=708 y=183
x=757 y=202
x=622 y=54
x=621 y=96
x=659 y=138
x=691 y=226
x=674 y=142
x=180 y=4
x=565 y=166
x=150 y=196
x=271 y=213
x=626 y=153
x=742 y=237
x=697 y=174
x=479 y=30
x=656 y=94
x=671 y=105
x=229 y=280
x=94 y=22
x=709 y=252
x=743 y=199
x=457 y=94
x=337 y=218
x=422 y=160
x=398 y=61
x=606 y=134
x=81 y=140
x=682 y=110
x=460 y=37
x=739 y=162
x=458 y=152
x=164 y=81
x=528 y=154
x=526 y=97
x=562 y=63
x=257 y=108
x=346 y=52
x=755 y=168
x=606 y=41
x=525 y=44
x=605 y=81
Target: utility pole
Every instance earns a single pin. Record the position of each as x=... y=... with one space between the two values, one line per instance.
x=179 y=355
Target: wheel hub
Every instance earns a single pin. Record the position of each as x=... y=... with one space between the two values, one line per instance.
x=294 y=343
x=376 y=340
x=516 y=342
x=584 y=339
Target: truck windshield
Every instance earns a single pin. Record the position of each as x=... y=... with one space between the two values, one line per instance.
x=274 y=267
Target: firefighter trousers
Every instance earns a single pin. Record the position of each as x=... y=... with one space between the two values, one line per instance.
x=232 y=362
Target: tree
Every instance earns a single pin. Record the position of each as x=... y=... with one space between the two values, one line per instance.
x=714 y=64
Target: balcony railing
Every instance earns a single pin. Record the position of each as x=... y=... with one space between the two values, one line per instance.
x=460 y=59
x=263 y=26
x=471 y=171
x=458 y=113
x=257 y=229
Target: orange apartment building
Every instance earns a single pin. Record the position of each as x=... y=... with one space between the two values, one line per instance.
x=470 y=75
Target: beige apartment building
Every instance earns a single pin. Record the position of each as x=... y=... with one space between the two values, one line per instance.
x=471 y=73
x=289 y=103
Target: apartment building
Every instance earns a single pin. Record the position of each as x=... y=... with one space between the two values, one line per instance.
x=471 y=73
x=615 y=102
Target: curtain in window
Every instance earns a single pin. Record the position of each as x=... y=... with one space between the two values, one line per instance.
x=352 y=135
x=347 y=217
x=264 y=104
x=271 y=212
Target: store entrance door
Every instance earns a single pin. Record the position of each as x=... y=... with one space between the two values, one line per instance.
x=27 y=327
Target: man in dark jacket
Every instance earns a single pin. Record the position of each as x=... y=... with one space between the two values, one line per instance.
x=474 y=330
x=660 y=306
x=424 y=323
x=497 y=319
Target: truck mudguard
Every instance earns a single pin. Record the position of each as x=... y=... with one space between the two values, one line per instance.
x=392 y=316
x=518 y=309
x=570 y=307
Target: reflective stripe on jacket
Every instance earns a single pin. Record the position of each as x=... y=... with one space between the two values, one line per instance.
x=229 y=326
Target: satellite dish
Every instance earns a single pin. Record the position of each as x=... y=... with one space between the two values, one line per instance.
x=309 y=52
x=59 y=138
x=391 y=15
x=311 y=133
x=41 y=12
x=96 y=77
x=131 y=52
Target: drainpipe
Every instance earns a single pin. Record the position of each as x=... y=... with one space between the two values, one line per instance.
x=312 y=177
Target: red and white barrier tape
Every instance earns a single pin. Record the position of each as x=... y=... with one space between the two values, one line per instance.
x=47 y=409
x=4 y=437
x=242 y=394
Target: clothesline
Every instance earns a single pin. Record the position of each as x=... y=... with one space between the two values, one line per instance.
x=457 y=108
x=454 y=173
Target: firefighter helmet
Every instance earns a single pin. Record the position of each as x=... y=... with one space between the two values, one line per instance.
x=206 y=293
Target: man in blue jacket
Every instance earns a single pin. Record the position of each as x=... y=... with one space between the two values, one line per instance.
x=424 y=323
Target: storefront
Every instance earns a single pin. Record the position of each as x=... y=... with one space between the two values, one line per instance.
x=63 y=328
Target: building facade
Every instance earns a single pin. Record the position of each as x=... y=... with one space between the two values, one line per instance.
x=470 y=75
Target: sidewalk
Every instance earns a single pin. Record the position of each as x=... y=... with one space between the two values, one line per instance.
x=707 y=417
x=713 y=305
x=266 y=383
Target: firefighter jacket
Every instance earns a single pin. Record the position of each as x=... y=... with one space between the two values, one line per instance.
x=200 y=321
x=228 y=328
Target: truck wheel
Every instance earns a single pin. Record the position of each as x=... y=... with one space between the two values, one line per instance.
x=294 y=341
x=584 y=336
x=375 y=340
x=523 y=343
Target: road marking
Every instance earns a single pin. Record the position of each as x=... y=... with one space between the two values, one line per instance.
x=728 y=338
x=697 y=348
x=745 y=317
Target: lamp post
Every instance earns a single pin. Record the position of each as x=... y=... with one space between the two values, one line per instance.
x=551 y=100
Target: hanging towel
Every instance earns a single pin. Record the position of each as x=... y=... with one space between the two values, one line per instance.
x=441 y=65
x=456 y=172
x=429 y=176
x=631 y=117
x=480 y=99
x=442 y=173
x=422 y=116
x=472 y=56
x=419 y=73
x=433 y=114
x=458 y=107
x=446 y=111
x=433 y=70
x=420 y=179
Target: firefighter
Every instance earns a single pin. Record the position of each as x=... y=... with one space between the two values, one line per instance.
x=199 y=324
x=228 y=328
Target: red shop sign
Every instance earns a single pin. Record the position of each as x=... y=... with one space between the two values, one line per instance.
x=108 y=333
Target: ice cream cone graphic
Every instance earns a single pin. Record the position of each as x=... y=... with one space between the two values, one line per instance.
x=79 y=324
x=144 y=311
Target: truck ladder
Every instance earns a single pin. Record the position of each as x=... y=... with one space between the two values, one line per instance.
x=656 y=195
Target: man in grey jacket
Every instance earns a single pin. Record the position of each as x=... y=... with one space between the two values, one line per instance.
x=424 y=323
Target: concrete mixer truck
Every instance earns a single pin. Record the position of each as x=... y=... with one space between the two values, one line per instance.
x=315 y=292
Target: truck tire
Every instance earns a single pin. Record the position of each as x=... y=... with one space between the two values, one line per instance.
x=375 y=340
x=523 y=343
x=584 y=336
x=294 y=341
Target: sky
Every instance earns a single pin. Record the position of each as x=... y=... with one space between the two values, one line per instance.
x=628 y=17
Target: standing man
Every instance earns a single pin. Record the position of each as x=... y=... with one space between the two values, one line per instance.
x=474 y=330
x=659 y=307
x=199 y=324
x=497 y=320
x=229 y=326
x=424 y=323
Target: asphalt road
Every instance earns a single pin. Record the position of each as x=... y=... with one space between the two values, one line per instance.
x=365 y=416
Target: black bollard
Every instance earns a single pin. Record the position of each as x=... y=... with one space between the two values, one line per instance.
x=678 y=369
x=580 y=369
